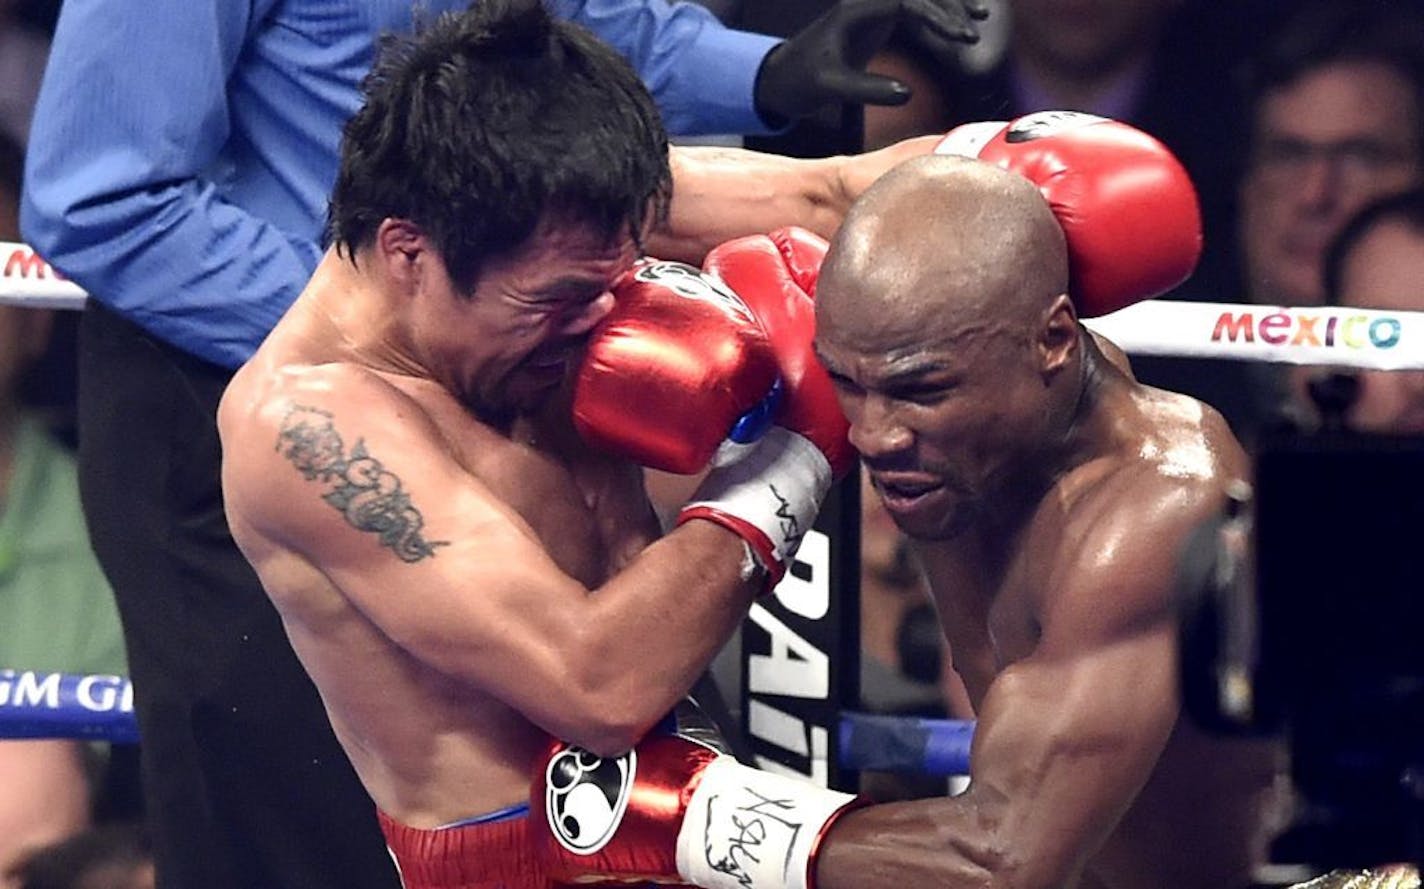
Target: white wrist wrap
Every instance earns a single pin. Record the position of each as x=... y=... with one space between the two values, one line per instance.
x=967 y=140
x=749 y=829
x=777 y=489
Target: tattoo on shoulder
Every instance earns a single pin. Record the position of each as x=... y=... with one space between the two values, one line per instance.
x=366 y=493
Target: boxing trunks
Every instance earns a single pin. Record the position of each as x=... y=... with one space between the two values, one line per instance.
x=488 y=852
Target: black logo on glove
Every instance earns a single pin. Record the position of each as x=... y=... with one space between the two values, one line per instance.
x=1048 y=123
x=791 y=530
x=693 y=283
x=585 y=797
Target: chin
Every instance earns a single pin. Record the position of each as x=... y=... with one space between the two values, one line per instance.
x=945 y=525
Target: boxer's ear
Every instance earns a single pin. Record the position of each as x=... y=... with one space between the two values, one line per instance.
x=400 y=242
x=1058 y=335
x=405 y=253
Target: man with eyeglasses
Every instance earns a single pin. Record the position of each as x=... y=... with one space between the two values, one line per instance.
x=1334 y=117
x=1337 y=120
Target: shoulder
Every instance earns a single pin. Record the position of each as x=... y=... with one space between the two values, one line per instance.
x=1173 y=470
x=1127 y=524
x=265 y=397
x=276 y=418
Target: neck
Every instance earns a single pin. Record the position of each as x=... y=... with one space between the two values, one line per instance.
x=349 y=309
x=1074 y=434
x=1083 y=434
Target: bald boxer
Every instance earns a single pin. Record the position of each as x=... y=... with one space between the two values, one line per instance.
x=1046 y=494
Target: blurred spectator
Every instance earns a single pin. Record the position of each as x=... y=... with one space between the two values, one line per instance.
x=23 y=50
x=1161 y=65
x=1377 y=262
x=115 y=856
x=1337 y=118
x=1097 y=56
x=57 y=613
x=1332 y=102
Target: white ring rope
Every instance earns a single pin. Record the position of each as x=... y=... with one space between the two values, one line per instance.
x=1330 y=335
x=27 y=280
x=1338 y=335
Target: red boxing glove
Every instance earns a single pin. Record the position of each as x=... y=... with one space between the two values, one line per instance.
x=676 y=810
x=672 y=368
x=775 y=276
x=804 y=251
x=1127 y=207
x=772 y=496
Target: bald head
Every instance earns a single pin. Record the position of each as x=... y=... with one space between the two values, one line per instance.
x=941 y=239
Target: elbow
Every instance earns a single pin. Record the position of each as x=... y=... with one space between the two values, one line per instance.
x=609 y=711
x=47 y=225
x=608 y=724
x=38 y=227
x=993 y=850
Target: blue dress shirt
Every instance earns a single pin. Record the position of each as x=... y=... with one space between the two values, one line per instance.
x=183 y=151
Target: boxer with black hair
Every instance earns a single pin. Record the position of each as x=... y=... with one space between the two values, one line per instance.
x=432 y=462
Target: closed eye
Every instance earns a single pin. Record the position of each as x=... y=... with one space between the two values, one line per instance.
x=926 y=395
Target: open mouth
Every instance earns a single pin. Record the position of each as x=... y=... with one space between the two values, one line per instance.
x=905 y=494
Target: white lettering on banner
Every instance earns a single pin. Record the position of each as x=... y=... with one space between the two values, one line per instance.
x=29 y=689
x=795 y=667
x=809 y=598
x=778 y=727
x=105 y=693
x=792 y=734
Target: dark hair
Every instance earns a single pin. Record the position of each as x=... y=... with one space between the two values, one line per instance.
x=70 y=863
x=486 y=123
x=1406 y=207
x=1326 y=32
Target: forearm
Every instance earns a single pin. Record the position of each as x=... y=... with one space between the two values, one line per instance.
x=725 y=193
x=855 y=173
x=651 y=630
x=722 y=193
x=953 y=843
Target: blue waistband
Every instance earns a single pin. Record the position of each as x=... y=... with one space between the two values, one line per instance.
x=508 y=813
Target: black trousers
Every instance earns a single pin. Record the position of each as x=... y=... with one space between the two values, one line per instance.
x=244 y=784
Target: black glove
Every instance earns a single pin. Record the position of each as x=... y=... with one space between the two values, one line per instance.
x=826 y=61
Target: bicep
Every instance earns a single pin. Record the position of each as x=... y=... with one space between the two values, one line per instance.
x=1073 y=731
x=410 y=539
x=1069 y=737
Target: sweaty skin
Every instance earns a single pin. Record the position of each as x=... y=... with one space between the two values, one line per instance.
x=1046 y=493
x=459 y=574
